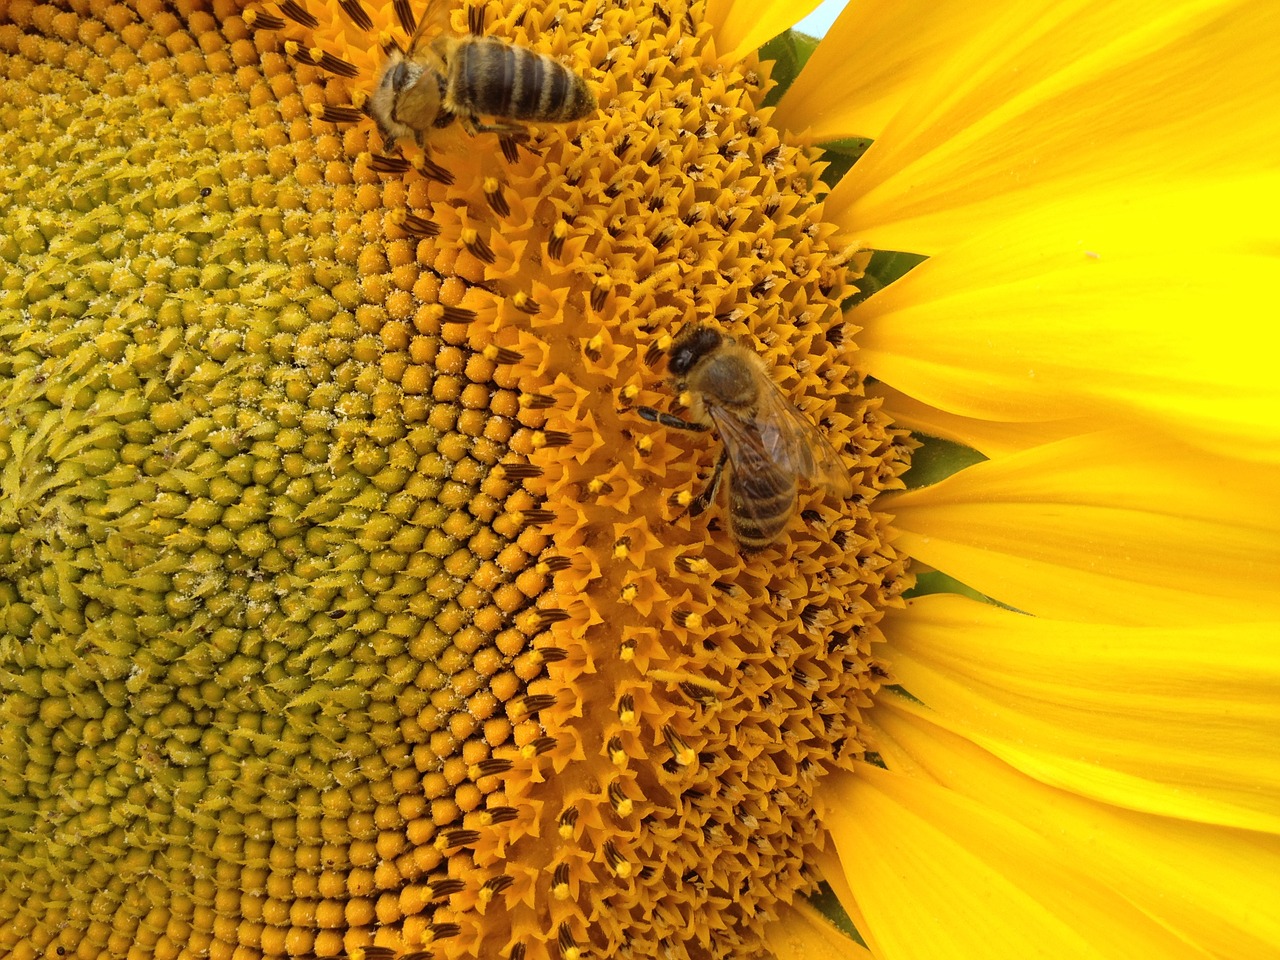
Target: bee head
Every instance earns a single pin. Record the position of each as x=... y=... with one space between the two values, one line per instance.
x=691 y=345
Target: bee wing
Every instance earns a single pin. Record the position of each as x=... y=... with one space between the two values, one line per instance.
x=752 y=448
x=795 y=442
x=434 y=20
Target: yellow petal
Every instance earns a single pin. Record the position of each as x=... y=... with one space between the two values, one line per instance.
x=1114 y=527
x=1096 y=311
x=827 y=861
x=1056 y=100
x=802 y=933
x=989 y=437
x=1214 y=885
x=744 y=25
x=938 y=874
x=875 y=57
x=1091 y=708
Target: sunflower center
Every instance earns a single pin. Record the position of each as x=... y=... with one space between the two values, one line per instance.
x=346 y=598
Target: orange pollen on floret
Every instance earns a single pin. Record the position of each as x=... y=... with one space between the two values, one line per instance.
x=364 y=613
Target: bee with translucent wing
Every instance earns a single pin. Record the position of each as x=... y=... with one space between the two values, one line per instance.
x=769 y=444
x=444 y=76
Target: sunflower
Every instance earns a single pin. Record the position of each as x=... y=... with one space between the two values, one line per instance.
x=353 y=605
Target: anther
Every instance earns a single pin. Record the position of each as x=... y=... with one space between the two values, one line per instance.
x=521 y=471
x=433 y=171
x=461 y=315
x=413 y=224
x=489 y=768
x=687 y=619
x=379 y=163
x=549 y=615
x=452 y=839
x=444 y=888
x=534 y=703
x=537 y=401
x=495 y=885
x=559 y=232
x=261 y=20
x=560 y=882
x=501 y=355
x=493 y=194
x=698 y=694
x=681 y=751
x=541 y=745
x=695 y=565
x=472 y=240
x=309 y=56
x=295 y=13
x=337 y=65
x=557 y=438
x=357 y=14
x=538 y=517
x=404 y=14
x=617 y=862
x=569 y=949
x=525 y=303
x=498 y=815
x=621 y=803
x=600 y=291
x=331 y=113
x=616 y=752
x=510 y=149
x=566 y=822
x=553 y=654
x=442 y=931
x=556 y=563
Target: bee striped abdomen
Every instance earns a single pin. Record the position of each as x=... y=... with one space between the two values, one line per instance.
x=502 y=80
x=760 y=506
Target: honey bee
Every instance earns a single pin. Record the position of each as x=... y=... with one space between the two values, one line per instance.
x=443 y=77
x=768 y=444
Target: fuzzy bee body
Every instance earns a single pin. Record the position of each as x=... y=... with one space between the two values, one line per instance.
x=443 y=77
x=498 y=79
x=769 y=445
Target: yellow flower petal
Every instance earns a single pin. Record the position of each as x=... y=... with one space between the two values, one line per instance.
x=1115 y=527
x=1086 y=315
x=1089 y=708
x=1047 y=105
x=875 y=57
x=990 y=437
x=802 y=933
x=827 y=860
x=744 y=25
x=1215 y=885
x=940 y=875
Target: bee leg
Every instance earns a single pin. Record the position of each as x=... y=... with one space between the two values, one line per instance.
x=508 y=129
x=708 y=494
x=668 y=420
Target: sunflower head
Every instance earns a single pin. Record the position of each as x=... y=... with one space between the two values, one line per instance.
x=349 y=605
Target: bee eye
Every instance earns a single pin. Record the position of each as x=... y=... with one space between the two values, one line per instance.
x=680 y=361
